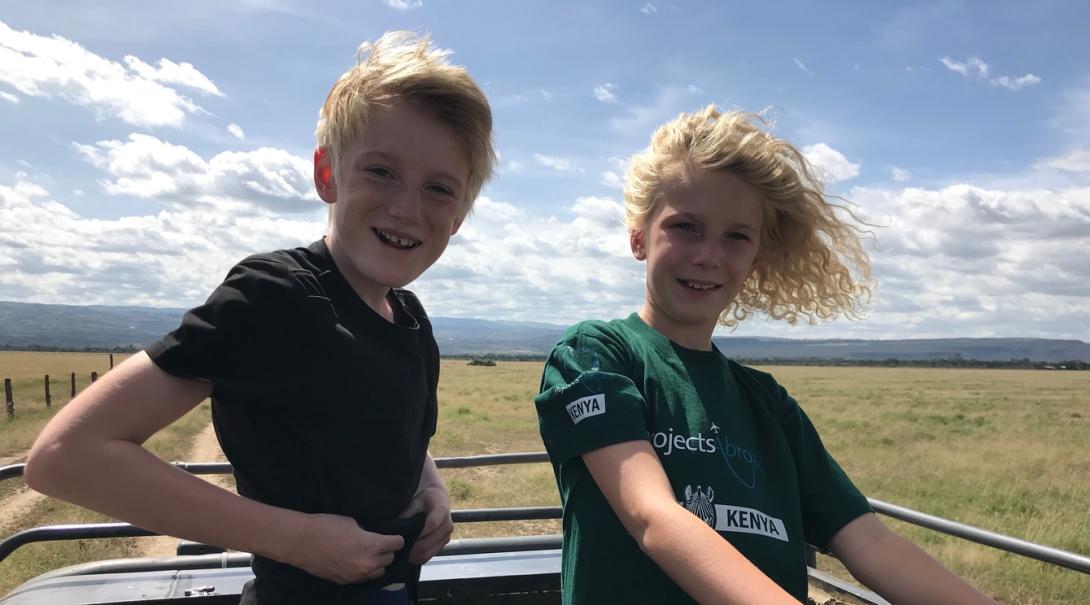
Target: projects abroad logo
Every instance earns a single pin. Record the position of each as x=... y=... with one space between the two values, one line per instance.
x=742 y=463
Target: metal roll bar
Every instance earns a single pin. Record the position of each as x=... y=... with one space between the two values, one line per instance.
x=1040 y=552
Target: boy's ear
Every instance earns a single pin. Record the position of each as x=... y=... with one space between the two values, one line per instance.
x=637 y=241
x=324 y=183
x=458 y=224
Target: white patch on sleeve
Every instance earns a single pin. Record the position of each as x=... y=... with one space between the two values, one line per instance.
x=740 y=519
x=586 y=407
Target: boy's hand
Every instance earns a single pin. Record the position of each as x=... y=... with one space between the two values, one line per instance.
x=438 y=526
x=337 y=549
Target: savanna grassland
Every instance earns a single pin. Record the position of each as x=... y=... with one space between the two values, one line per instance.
x=1007 y=450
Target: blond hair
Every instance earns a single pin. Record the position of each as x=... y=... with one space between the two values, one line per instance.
x=404 y=67
x=810 y=260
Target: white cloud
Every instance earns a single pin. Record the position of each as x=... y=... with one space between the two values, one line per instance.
x=899 y=174
x=610 y=178
x=236 y=131
x=537 y=268
x=604 y=211
x=971 y=66
x=546 y=96
x=556 y=163
x=169 y=72
x=604 y=93
x=171 y=258
x=974 y=66
x=50 y=67
x=613 y=178
x=404 y=5
x=10 y=98
x=1076 y=162
x=649 y=9
x=1071 y=116
x=832 y=164
x=803 y=67
x=696 y=90
x=640 y=120
x=986 y=262
x=1016 y=83
x=264 y=180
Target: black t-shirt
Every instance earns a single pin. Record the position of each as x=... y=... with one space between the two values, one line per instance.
x=321 y=405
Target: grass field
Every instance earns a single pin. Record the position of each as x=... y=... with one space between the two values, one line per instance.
x=27 y=372
x=1007 y=450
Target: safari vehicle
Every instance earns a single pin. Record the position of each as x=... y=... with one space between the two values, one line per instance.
x=510 y=570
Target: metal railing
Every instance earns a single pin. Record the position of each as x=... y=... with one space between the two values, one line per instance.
x=949 y=527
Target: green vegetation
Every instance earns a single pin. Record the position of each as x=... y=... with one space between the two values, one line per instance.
x=1006 y=450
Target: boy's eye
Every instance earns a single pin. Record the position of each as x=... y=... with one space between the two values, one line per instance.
x=440 y=189
x=685 y=227
x=738 y=235
x=380 y=171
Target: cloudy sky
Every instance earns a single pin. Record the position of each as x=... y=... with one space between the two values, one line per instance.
x=145 y=150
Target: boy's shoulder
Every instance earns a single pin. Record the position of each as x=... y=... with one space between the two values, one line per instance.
x=282 y=262
x=603 y=331
x=762 y=385
x=274 y=278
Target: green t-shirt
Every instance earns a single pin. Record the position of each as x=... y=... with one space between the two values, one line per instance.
x=739 y=453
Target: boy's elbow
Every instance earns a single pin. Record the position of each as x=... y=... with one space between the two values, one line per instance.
x=45 y=466
x=649 y=522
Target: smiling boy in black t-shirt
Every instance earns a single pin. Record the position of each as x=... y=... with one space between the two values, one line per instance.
x=321 y=369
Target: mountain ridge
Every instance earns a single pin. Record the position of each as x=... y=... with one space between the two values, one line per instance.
x=27 y=325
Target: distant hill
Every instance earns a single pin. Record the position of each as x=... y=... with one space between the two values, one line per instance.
x=25 y=325
x=979 y=349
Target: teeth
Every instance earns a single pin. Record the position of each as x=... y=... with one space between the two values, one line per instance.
x=395 y=240
x=698 y=286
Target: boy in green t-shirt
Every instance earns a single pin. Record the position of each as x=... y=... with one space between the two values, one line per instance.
x=685 y=476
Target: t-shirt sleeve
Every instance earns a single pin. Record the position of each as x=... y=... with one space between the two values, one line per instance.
x=587 y=399
x=236 y=339
x=829 y=498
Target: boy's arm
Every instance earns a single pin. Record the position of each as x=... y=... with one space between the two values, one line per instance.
x=90 y=453
x=705 y=565
x=431 y=496
x=897 y=569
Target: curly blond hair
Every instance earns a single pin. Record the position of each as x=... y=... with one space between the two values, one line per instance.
x=402 y=67
x=811 y=263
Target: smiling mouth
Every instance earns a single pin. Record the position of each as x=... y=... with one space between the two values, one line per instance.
x=390 y=239
x=700 y=286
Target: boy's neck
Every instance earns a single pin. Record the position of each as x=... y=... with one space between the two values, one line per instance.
x=690 y=336
x=374 y=295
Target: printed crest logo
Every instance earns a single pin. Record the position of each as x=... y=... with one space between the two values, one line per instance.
x=584 y=408
x=699 y=503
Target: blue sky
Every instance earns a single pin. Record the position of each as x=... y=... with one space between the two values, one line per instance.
x=149 y=146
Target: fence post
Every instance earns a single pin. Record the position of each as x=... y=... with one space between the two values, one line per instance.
x=111 y=361
x=94 y=376
x=48 y=399
x=73 y=384
x=8 y=399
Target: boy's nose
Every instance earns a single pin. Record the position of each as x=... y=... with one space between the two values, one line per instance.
x=708 y=253
x=405 y=205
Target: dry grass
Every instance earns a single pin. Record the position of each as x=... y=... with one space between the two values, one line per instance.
x=27 y=372
x=1007 y=450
